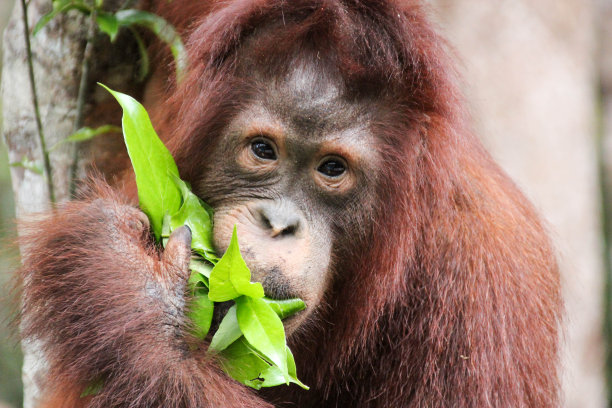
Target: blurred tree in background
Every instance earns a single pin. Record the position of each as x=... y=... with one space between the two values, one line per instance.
x=10 y=353
x=533 y=82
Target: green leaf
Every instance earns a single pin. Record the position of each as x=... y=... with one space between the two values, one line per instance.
x=204 y=268
x=200 y=312
x=200 y=271
x=286 y=307
x=193 y=213
x=165 y=230
x=153 y=164
x=197 y=280
x=231 y=276
x=87 y=133
x=273 y=376
x=108 y=24
x=29 y=165
x=263 y=329
x=59 y=6
x=47 y=17
x=93 y=388
x=143 y=69
x=228 y=331
x=243 y=364
x=164 y=31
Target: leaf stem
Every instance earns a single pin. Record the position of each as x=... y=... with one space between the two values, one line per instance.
x=83 y=90
x=41 y=135
x=127 y=4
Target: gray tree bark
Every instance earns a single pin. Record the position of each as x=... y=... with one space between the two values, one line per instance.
x=531 y=82
x=56 y=52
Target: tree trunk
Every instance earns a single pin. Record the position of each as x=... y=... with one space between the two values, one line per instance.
x=57 y=58
x=530 y=81
x=605 y=69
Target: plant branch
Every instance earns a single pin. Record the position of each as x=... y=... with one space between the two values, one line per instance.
x=41 y=135
x=83 y=91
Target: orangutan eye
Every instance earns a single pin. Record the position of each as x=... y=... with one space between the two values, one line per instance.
x=263 y=150
x=332 y=167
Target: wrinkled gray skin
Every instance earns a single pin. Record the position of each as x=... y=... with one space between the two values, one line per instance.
x=289 y=215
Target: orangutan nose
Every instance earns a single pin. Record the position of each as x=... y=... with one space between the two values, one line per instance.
x=280 y=218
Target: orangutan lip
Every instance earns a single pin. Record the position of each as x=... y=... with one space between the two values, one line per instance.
x=273 y=295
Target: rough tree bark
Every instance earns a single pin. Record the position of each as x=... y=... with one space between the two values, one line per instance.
x=57 y=56
x=56 y=51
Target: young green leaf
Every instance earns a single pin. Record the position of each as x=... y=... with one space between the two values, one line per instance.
x=286 y=307
x=231 y=276
x=93 y=388
x=87 y=133
x=165 y=230
x=108 y=24
x=29 y=165
x=273 y=376
x=153 y=164
x=162 y=29
x=200 y=312
x=194 y=213
x=246 y=365
x=204 y=268
x=227 y=333
x=263 y=330
x=229 y=330
x=198 y=281
x=243 y=364
x=143 y=64
x=60 y=6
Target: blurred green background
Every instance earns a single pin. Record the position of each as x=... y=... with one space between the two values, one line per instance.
x=10 y=352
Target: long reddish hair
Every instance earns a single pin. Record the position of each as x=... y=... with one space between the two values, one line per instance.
x=450 y=296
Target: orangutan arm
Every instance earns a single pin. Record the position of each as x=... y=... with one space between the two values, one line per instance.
x=109 y=310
